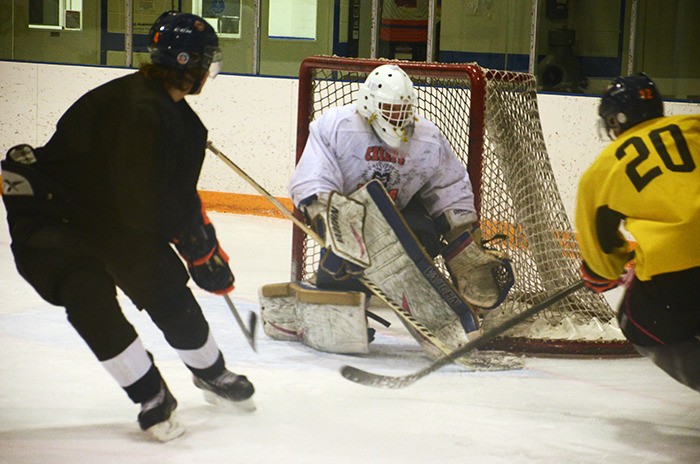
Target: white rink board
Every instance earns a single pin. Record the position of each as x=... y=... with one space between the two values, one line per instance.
x=253 y=121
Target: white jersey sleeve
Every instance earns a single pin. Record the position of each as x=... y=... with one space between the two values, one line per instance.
x=449 y=188
x=321 y=168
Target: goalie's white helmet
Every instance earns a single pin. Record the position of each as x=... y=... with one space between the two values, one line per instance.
x=387 y=99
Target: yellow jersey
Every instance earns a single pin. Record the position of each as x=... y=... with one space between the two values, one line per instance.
x=650 y=178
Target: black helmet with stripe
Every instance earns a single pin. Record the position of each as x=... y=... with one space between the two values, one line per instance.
x=629 y=101
x=184 y=41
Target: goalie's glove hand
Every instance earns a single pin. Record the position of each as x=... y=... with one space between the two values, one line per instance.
x=596 y=283
x=483 y=278
x=339 y=268
x=207 y=263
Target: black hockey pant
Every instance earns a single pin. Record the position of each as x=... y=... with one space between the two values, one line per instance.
x=661 y=317
x=82 y=274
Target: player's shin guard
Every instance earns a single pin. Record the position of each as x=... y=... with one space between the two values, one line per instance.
x=204 y=361
x=134 y=371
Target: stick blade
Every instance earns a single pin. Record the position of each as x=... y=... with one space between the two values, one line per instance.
x=369 y=379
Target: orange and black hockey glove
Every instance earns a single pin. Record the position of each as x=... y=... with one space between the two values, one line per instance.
x=207 y=263
x=596 y=283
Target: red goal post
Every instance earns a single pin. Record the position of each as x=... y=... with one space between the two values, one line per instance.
x=491 y=119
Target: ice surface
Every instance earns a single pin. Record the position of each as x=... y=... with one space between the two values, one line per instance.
x=57 y=404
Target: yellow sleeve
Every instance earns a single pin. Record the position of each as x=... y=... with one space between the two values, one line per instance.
x=593 y=192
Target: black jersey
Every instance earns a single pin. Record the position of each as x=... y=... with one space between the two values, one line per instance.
x=129 y=156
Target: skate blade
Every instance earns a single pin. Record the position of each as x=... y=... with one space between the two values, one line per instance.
x=166 y=430
x=247 y=405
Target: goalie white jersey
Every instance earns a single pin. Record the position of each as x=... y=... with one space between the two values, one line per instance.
x=343 y=153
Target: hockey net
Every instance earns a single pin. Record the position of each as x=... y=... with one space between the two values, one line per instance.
x=491 y=119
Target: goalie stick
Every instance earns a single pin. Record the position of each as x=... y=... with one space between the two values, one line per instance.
x=249 y=331
x=387 y=381
x=426 y=334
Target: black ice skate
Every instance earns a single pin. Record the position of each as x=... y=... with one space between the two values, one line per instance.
x=157 y=416
x=228 y=388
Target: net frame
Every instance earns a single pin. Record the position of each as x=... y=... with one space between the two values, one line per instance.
x=491 y=119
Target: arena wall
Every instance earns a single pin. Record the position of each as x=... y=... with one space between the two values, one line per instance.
x=253 y=121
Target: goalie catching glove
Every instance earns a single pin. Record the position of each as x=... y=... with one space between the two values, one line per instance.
x=484 y=278
x=206 y=261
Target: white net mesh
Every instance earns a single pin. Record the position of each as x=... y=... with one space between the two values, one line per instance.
x=491 y=119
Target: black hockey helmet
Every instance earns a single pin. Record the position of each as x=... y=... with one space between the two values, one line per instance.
x=184 y=41
x=629 y=101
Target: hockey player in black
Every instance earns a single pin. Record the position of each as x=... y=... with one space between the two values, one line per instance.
x=100 y=206
x=647 y=179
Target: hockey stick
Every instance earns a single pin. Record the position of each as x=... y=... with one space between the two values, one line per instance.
x=407 y=317
x=249 y=331
x=280 y=207
x=387 y=381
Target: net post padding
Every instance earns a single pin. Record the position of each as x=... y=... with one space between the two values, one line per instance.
x=491 y=119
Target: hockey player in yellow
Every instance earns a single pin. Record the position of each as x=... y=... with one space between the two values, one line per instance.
x=647 y=181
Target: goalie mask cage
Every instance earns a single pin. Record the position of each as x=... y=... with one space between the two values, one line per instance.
x=492 y=121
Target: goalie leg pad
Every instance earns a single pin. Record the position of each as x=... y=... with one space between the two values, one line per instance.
x=334 y=322
x=278 y=311
x=406 y=274
x=326 y=320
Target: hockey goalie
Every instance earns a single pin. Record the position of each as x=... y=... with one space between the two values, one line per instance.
x=382 y=187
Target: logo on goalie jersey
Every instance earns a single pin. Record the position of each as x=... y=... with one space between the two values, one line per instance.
x=382 y=154
x=385 y=173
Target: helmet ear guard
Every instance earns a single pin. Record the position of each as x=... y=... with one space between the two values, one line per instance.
x=387 y=100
